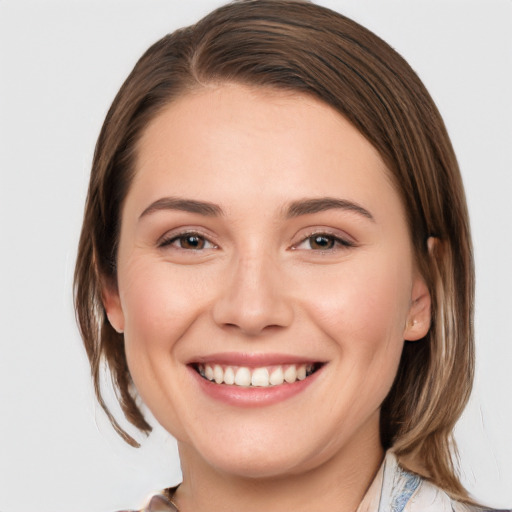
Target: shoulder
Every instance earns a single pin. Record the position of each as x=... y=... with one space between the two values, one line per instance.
x=160 y=502
x=403 y=491
x=429 y=493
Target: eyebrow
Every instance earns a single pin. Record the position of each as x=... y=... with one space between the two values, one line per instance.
x=185 y=205
x=295 y=209
x=315 y=205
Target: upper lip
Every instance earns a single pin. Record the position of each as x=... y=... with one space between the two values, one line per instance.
x=252 y=360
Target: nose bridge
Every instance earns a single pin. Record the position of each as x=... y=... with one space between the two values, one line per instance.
x=253 y=297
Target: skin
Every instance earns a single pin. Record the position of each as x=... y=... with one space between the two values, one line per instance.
x=260 y=285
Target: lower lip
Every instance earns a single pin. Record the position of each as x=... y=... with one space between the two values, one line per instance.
x=252 y=396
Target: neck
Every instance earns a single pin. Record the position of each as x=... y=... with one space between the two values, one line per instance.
x=338 y=484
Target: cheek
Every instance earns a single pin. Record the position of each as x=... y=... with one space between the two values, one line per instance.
x=162 y=303
x=159 y=303
x=363 y=311
x=364 y=300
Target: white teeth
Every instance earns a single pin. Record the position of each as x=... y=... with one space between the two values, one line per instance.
x=277 y=376
x=257 y=377
x=218 y=374
x=208 y=372
x=290 y=374
x=229 y=376
x=260 y=377
x=243 y=377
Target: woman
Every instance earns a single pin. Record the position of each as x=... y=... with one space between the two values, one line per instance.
x=276 y=258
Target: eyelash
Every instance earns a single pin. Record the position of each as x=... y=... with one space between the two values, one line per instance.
x=336 y=242
x=170 y=240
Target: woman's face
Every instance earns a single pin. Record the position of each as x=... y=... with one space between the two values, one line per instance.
x=266 y=280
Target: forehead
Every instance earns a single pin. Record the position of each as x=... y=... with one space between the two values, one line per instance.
x=218 y=141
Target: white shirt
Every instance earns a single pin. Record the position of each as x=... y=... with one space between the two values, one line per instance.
x=396 y=490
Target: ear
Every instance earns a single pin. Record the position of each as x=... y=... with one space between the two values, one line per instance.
x=112 y=304
x=419 y=316
x=420 y=311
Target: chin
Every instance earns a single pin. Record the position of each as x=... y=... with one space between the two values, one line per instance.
x=259 y=466
x=260 y=456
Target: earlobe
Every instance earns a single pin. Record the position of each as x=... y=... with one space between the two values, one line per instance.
x=420 y=311
x=112 y=304
x=419 y=317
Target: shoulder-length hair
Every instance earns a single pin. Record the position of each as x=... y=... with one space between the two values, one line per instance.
x=297 y=46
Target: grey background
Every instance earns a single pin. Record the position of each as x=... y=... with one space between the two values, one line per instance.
x=61 y=62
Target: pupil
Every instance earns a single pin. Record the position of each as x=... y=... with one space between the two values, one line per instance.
x=192 y=242
x=323 y=242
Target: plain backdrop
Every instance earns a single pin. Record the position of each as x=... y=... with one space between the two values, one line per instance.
x=61 y=63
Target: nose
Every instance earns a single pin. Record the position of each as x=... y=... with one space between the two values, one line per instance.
x=253 y=298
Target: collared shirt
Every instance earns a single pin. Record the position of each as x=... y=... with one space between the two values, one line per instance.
x=396 y=490
x=393 y=490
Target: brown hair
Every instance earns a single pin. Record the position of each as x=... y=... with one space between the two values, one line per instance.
x=297 y=46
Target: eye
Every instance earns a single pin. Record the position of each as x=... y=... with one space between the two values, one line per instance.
x=323 y=242
x=189 y=241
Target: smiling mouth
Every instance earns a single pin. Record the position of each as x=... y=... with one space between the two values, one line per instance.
x=265 y=376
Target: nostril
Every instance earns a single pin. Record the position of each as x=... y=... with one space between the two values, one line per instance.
x=252 y=329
